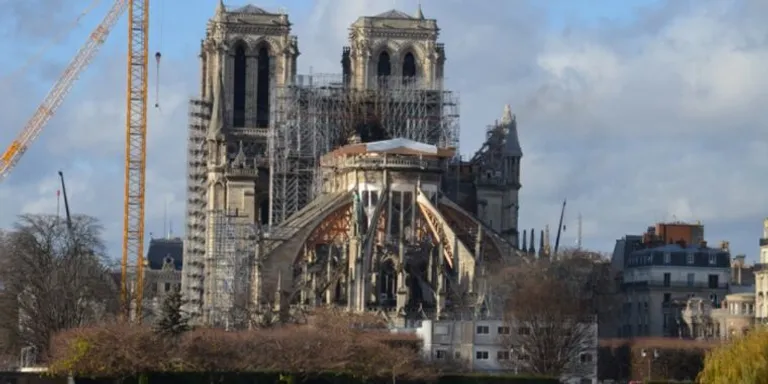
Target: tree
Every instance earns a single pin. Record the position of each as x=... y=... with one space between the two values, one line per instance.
x=551 y=307
x=745 y=360
x=172 y=322
x=56 y=279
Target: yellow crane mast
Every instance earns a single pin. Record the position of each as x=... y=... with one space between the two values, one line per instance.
x=135 y=151
x=135 y=135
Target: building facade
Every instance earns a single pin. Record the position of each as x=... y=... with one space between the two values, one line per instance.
x=259 y=131
x=162 y=275
x=482 y=345
x=736 y=315
x=761 y=278
x=659 y=275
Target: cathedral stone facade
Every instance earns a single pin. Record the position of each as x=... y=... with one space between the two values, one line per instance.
x=305 y=191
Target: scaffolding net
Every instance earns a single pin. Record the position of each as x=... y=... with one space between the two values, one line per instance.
x=318 y=113
x=233 y=241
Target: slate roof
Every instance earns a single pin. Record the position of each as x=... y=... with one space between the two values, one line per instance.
x=394 y=14
x=160 y=249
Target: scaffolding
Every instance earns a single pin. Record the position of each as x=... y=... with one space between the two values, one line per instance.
x=233 y=240
x=318 y=113
x=194 y=248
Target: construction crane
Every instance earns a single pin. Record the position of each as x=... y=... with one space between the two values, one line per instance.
x=135 y=151
x=560 y=227
x=135 y=132
x=60 y=89
x=70 y=228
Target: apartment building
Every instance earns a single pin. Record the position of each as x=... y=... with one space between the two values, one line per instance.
x=483 y=346
x=661 y=271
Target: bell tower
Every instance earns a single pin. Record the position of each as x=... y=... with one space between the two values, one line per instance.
x=394 y=47
x=247 y=52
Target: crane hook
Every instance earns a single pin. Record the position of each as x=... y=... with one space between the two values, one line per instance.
x=158 y=56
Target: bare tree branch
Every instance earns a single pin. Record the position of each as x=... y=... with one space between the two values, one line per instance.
x=57 y=279
x=551 y=308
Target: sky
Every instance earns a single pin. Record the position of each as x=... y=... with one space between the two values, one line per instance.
x=636 y=111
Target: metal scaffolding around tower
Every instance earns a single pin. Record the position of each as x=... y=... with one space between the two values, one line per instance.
x=232 y=244
x=194 y=248
x=318 y=113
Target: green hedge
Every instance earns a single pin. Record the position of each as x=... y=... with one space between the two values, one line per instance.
x=277 y=378
x=668 y=382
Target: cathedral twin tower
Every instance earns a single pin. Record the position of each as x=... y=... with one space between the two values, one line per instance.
x=248 y=51
x=248 y=69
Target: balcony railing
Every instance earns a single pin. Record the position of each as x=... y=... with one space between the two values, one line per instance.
x=673 y=284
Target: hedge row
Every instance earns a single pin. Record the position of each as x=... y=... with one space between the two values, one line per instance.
x=678 y=361
x=326 y=378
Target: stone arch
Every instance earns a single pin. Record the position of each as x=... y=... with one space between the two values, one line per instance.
x=409 y=68
x=415 y=50
x=376 y=55
x=258 y=43
x=327 y=227
x=265 y=59
x=219 y=195
x=419 y=56
x=240 y=52
x=488 y=239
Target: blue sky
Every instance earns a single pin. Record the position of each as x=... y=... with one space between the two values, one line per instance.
x=636 y=111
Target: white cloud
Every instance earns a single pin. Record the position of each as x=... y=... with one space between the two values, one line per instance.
x=633 y=122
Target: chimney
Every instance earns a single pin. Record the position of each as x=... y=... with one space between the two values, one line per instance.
x=737 y=267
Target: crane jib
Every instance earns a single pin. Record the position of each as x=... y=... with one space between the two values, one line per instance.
x=60 y=89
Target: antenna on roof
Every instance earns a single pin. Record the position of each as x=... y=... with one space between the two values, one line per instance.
x=165 y=218
x=281 y=11
x=578 y=235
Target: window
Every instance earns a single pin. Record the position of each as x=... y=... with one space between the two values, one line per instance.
x=483 y=330
x=689 y=258
x=481 y=355
x=585 y=358
x=502 y=355
x=503 y=330
x=167 y=287
x=713 y=281
x=712 y=259
x=667 y=258
x=667 y=297
x=667 y=279
x=523 y=331
x=440 y=354
x=263 y=69
x=691 y=279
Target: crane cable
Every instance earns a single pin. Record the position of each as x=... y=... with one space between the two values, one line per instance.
x=38 y=55
x=159 y=56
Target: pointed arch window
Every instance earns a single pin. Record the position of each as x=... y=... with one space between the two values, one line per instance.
x=240 y=79
x=384 y=68
x=409 y=68
x=263 y=88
